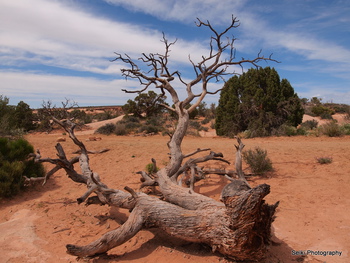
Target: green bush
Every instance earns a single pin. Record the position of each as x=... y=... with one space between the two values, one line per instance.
x=205 y=121
x=331 y=129
x=326 y=116
x=258 y=161
x=320 y=110
x=286 y=130
x=130 y=118
x=150 y=168
x=155 y=121
x=345 y=128
x=14 y=165
x=310 y=124
x=121 y=129
x=131 y=125
x=106 y=115
x=195 y=124
x=302 y=131
x=106 y=129
x=149 y=129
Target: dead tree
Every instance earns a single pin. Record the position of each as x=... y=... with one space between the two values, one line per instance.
x=238 y=227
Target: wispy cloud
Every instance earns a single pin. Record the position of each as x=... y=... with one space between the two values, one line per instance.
x=36 y=88
x=39 y=36
x=184 y=10
x=59 y=35
x=297 y=37
x=335 y=93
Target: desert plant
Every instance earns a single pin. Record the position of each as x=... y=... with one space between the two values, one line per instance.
x=326 y=116
x=310 y=124
x=131 y=118
x=121 y=129
x=150 y=168
x=258 y=161
x=14 y=165
x=106 y=129
x=331 y=129
x=286 y=130
x=106 y=115
x=345 y=128
x=258 y=101
x=302 y=131
x=320 y=110
x=324 y=160
x=195 y=124
x=149 y=129
x=205 y=121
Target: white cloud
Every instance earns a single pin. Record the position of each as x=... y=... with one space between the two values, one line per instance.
x=184 y=10
x=334 y=94
x=34 y=88
x=66 y=34
x=55 y=34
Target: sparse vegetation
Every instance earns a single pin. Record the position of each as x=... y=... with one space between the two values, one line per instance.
x=310 y=124
x=107 y=129
x=331 y=129
x=150 y=168
x=258 y=161
x=324 y=160
x=145 y=105
x=15 y=120
x=121 y=129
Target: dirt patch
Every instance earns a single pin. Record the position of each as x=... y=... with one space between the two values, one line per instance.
x=19 y=242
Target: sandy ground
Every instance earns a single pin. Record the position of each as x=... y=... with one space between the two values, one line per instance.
x=313 y=213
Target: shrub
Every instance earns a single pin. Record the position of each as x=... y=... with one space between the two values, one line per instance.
x=195 y=124
x=106 y=129
x=286 y=130
x=155 y=121
x=302 y=131
x=310 y=124
x=149 y=129
x=331 y=129
x=345 y=129
x=258 y=161
x=130 y=118
x=106 y=115
x=326 y=116
x=324 y=160
x=205 y=121
x=14 y=165
x=320 y=110
x=121 y=129
x=131 y=125
x=150 y=169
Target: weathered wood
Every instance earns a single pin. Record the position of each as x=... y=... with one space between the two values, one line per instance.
x=239 y=227
x=234 y=229
x=238 y=162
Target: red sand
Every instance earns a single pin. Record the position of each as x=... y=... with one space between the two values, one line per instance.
x=313 y=213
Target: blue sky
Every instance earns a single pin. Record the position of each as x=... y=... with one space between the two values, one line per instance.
x=57 y=49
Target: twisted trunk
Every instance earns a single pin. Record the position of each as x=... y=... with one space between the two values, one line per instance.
x=239 y=228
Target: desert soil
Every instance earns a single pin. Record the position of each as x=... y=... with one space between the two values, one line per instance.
x=313 y=213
